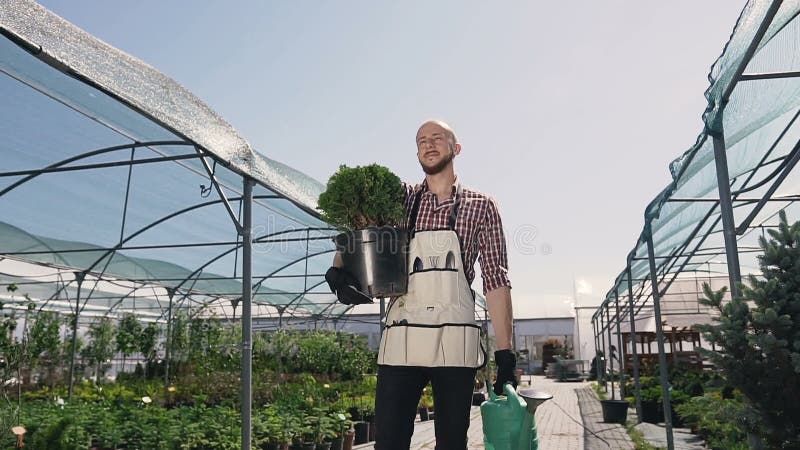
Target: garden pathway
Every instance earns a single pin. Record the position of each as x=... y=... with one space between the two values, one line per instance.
x=560 y=421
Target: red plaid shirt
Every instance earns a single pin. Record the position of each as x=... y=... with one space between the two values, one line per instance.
x=478 y=226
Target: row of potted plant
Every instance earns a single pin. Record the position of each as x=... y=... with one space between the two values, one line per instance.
x=141 y=424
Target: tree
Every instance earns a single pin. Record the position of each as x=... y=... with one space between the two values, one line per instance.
x=205 y=336
x=759 y=335
x=127 y=336
x=44 y=342
x=147 y=344
x=101 y=347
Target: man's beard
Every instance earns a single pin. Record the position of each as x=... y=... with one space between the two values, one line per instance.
x=438 y=167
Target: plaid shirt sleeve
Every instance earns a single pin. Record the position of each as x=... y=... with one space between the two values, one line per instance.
x=492 y=245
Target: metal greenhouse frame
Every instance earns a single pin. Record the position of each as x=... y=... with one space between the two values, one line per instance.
x=121 y=192
x=752 y=137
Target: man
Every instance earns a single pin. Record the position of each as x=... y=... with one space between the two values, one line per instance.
x=430 y=332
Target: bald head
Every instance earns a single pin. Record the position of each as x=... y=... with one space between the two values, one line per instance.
x=448 y=130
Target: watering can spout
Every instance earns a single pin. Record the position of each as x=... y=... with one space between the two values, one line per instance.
x=508 y=422
x=534 y=398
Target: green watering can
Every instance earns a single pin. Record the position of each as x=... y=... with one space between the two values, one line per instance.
x=508 y=422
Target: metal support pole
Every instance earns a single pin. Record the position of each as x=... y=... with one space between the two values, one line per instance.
x=662 y=357
x=610 y=353
x=620 y=352
x=603 y=346
x=726 y=209
x=79 y=277
x=634 y=353
x=167 y=341
x=596 y=348
x=247 y=320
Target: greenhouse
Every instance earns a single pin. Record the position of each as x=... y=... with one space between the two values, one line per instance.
x=163 y=282
x=728 y=191
x=129 y=205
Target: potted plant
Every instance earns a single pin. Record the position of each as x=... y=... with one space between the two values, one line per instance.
x=652 y=409
x=341 y=427
x=366 y=203
x=324 y=427
x=615 y=411
x=369 y=417
x=425 y=403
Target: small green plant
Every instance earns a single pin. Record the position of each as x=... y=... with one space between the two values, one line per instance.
x=638 y=440
x=363 y=196
x=599 y=390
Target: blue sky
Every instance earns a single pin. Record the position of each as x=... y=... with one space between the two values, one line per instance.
x=568 y=112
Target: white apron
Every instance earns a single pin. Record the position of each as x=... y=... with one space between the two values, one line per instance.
x=433 y=324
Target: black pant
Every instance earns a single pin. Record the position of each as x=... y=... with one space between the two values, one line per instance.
x=398 y=393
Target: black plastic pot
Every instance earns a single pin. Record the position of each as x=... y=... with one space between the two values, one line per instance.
x=370 y=418
x=652 y=412
x=615 y=411
x=423 y=414
x=362 y=433
x=377 y=258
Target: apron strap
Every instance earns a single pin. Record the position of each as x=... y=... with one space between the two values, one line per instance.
x=412 y=225
x=456 y=203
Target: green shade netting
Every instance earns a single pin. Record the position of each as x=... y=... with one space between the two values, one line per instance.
x=760 y=130
x=106 y=170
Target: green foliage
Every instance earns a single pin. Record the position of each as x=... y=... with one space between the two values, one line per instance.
x=338 y=355
x=601 y=394
x=639 y=441
x=363 y=196
x=44 y=341
x=723 y=423
x=43 y=347
x=127 y=425
x=179 y=338
x=101 y=347
x=10 y=350
x=147 y=341
x=206 y=338
x=273 y=425
x=128 y=331
x=302 y=380
x=759 y=335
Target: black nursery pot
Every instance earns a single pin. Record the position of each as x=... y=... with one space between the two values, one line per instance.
x=362 y=433
x=615 y=411
x=377 y=258
x=652 y=412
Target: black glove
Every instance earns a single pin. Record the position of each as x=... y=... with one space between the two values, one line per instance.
x=506 y=362
x=345 y=286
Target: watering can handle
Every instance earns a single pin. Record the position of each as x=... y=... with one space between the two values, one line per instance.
x=506 y=387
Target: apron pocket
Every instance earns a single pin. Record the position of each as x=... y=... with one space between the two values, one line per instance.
x=432 y=288
x=432 y=346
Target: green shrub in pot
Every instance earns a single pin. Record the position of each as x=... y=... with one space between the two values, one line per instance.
x=366 y=203
x=361 y=197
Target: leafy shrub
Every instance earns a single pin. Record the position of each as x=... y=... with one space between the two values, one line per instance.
x=363 y=196
x=338 y=356
x=723 y=423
